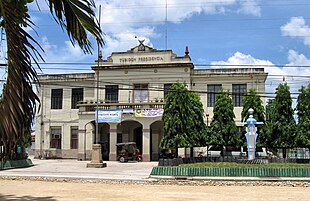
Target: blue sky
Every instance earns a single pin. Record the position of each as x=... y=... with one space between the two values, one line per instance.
x=254 y=32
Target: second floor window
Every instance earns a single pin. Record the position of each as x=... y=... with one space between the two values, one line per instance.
x=111 y=93
x=140 y=93
x=76 y=96
x=237 y=91
x=56 y=99
x=166 y=89
x=212 y=90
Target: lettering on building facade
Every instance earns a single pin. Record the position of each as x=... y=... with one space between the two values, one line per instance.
x=141 y=59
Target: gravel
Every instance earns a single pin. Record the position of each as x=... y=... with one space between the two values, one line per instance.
x=163 y=182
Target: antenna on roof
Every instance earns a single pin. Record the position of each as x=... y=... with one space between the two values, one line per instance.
x=166 y=32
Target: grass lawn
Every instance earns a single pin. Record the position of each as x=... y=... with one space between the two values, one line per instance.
x=238 y=165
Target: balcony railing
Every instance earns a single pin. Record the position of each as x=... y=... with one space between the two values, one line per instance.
x=91 y=106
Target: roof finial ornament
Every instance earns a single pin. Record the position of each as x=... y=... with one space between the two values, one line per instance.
x=186 y=51
x=141 y=47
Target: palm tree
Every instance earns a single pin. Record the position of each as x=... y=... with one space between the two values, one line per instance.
x=17 y=107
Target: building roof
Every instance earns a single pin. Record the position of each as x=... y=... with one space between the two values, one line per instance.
x=142 y=56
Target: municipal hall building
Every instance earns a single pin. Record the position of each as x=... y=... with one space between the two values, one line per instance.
x=127 y=92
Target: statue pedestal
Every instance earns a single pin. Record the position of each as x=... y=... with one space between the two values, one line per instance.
x=251 y=134
x=96 y=158
x=251 y=153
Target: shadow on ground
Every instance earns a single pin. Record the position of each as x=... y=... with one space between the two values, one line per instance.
x=25 y=198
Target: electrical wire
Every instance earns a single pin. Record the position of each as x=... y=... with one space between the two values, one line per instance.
x=157 y=89
x=195 y=4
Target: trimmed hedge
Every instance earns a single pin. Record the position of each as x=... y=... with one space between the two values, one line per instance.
x=16 y=164
x=231 y=172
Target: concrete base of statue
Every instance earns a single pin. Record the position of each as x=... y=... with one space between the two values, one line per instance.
x=251 y=153
x=96 y=158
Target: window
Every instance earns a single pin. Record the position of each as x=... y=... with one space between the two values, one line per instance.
x=237 y=91
x=56 y=137
x=166 y=89
x=140 y=93
x=74 y=137
x=56 y=99
x=212 y=89
x=76 y=96
x=111 y=93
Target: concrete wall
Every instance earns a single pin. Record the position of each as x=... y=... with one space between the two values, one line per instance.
x=171 y=69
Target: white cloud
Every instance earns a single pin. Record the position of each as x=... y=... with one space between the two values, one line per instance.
x=297 y=28
x=246 y=59
x=275 y=73
x=123 y=42
x=122 y=21
x=297 y=66
x=66 y=53
x=250 y=7
x=242 y=59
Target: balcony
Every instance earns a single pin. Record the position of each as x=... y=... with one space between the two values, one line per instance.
x=91 y=106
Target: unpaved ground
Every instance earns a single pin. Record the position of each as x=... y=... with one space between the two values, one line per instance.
x=49 y=191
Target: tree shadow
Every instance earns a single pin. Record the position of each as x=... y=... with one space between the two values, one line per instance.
x=25 y=198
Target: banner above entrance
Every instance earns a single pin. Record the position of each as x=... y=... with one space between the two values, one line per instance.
x=149 y=112
x=109 y=116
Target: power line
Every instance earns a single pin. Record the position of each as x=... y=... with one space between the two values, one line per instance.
x=171 y=72
x=195 y=64
x=189 y=21
x=194 y=4
x=153 y=88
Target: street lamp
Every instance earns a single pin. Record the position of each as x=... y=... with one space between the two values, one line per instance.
x=207 y=115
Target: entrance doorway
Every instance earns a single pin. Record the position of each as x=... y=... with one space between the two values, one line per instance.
x=138 y=138
x=157 y=130
x=104 y=140
x=130 y=131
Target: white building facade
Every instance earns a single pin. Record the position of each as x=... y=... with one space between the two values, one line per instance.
x=128 y=88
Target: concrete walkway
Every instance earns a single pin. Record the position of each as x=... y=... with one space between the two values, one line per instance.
x=64 y=168
x=131 y=171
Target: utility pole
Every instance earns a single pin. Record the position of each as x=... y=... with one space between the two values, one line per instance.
x=166 y=30
x=97 y=88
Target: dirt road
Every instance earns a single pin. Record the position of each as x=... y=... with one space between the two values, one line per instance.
x=50 y=191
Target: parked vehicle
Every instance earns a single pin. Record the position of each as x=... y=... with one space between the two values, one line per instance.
x=128 y=151
x=167 y=153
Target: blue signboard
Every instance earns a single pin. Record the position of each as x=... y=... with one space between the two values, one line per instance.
x=109 y=116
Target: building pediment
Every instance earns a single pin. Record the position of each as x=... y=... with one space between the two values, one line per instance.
x=143 y=54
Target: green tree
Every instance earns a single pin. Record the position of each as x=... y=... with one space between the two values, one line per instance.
x=77 y=17
x=269 y=120
x=183 y=119
x=223 y=130
x=282 y=125
x=253 y=100
x=303 y=111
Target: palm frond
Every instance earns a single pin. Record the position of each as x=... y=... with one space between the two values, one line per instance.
x=18 y=103
x=17 y=106
x=77 y=16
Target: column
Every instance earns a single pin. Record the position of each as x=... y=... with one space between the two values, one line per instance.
x=82 y=145
x=113 y=140
x=146 y=145
x=155 y=144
